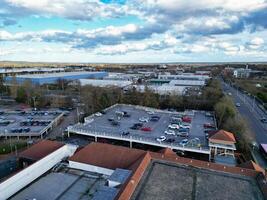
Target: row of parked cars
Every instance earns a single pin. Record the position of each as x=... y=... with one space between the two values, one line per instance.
x=35 y=123
x=179 y=126
x=20 y=130
x=39 y=113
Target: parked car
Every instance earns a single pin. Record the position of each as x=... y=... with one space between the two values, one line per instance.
x=237 y=105
x=187 y=119
x=150 y=112
x=170 y=140
x=183 y=129
x=183 y=134
x=125 y=133
x=184 y=142
x=144 y=119
x=127 y=115
x=185 y=126
x=154 y=118
x=111 y=119
x=115 y=123
x=103 y=112
x=136 y=126
x=169 y=132
x=263 y=120
x=173 y=126
x=161 y=138
x=209 y=125
x=147 y=129
x=98 y=114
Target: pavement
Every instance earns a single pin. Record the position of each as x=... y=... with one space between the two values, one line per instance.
x=250 y=110
x=68 y=120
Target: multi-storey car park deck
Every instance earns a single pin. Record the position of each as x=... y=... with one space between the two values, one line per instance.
x=103 y=127
x=28 y=123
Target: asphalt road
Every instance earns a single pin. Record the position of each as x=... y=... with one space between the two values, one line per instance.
x=250 y=110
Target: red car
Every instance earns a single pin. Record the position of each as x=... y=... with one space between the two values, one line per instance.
x=209 y=125
x=187 y=119
x=147 y=129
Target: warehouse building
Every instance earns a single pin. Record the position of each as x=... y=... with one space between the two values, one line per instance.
x=53 y=77
x=105 y=83
x=184 y=76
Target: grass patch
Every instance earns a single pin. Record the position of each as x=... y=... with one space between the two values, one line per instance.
x=8 y=147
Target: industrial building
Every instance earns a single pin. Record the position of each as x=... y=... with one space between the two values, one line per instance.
x=105 y=83
x=33 y=70
x=165 y=89
x=53 y=77
x=101 y=171
x=184 y=76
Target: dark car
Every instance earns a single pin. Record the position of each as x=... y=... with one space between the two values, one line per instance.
x=183 y=129
x=102 y=112
x=154 y=118
x=125 y=133
x=115 y=123
x=136 y=126
x=264 y=120
x=170 y=140
x=111 y=119
x=127 y=115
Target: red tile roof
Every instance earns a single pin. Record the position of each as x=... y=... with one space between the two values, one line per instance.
x=251 y=165
x=40 y=150
x=112 y=157
x=224 y=136
x=108 y=156
x=167 y=151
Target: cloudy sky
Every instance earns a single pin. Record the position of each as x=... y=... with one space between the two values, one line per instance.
x=133 y=30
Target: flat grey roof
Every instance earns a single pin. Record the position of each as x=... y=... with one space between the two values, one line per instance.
x=163 y=180
x=68 y=185
x=105 y=193
x=120 y=175
x=60 y=74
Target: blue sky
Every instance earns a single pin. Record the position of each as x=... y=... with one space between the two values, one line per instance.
x=133 y=30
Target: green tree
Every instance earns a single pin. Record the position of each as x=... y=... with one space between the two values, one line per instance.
x=21 y=95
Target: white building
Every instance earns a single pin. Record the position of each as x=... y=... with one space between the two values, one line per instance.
x=242 y=72
x=105 y=83
x=184 y=76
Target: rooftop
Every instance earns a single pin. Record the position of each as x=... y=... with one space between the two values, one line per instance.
x=58 y=75
x=186 y=182
x=105 y=83
x=69 y=185
x=108 y=156
x=223 y=135
x=40 y=150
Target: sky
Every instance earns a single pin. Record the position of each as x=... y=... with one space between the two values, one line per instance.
x=134 y=31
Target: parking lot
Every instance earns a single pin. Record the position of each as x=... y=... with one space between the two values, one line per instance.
x=150 y=129
x=27 y=123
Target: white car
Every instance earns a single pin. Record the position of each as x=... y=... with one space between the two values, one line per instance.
x=144 y=119
x=237 y=105
x=185 y=126
x=184 y=142
x=169 y=132
x=150 y=112
x=98 y=114
x=174 y=126
x=161 y=138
